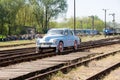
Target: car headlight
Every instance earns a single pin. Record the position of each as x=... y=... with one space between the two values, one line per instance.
x=37 y=41
x=53 y=41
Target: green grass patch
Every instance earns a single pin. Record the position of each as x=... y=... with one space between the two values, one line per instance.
x=16 y=42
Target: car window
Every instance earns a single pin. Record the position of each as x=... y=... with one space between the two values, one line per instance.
x=71 y=33
x=55 y=32
x=66 y=32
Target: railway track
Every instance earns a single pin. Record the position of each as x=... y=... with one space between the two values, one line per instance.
x=21 y=55
x=75 y=63
x=104 y=72
x=41 y=68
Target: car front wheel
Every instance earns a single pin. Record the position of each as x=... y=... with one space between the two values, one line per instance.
x=38 y=50
x=75 y=45
x=60 y=46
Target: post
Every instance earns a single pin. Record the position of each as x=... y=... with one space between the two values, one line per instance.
x=74 y=16
x=92 y=24
x=113 y=14
x=81 y=24
x=105 y=18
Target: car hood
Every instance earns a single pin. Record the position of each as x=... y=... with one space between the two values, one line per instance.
x=51 y=36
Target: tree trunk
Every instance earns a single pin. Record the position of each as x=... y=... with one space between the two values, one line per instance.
x=46 y=20
x=9 y=30
x=2 y=25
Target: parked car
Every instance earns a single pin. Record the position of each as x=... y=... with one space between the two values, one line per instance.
x=58 y=39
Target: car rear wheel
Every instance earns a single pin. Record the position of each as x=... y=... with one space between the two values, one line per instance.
x=75 y=45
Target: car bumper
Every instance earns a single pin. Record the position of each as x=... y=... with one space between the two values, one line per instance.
x=47 y=46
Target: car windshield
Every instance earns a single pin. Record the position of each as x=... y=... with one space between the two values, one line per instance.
x=55 y=32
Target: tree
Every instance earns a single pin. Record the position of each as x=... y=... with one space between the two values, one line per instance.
x=10 y=9
x=16 y=14
x=44 y=10
x=84 y=23
x=3 y=14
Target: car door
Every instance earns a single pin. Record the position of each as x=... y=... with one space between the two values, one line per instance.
x=66 y=38
x=71 y=38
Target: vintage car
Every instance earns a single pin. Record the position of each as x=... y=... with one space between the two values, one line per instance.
x=58 y=39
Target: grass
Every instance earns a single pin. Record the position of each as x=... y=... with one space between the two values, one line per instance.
x=16 y=42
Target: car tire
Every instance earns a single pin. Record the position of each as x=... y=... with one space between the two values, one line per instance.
x=60 y=47
x=75 y=47
x=39 y=50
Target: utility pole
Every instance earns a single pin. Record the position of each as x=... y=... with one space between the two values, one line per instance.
x=113 y=14
x=81 y=22
x=74 y=16
x=92 y=24
x=105 y=18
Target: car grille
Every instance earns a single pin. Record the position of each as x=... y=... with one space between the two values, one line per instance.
x=45 y=43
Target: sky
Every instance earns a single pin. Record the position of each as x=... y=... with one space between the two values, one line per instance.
x=86 y=8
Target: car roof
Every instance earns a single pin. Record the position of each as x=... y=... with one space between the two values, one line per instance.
x=59 y=29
